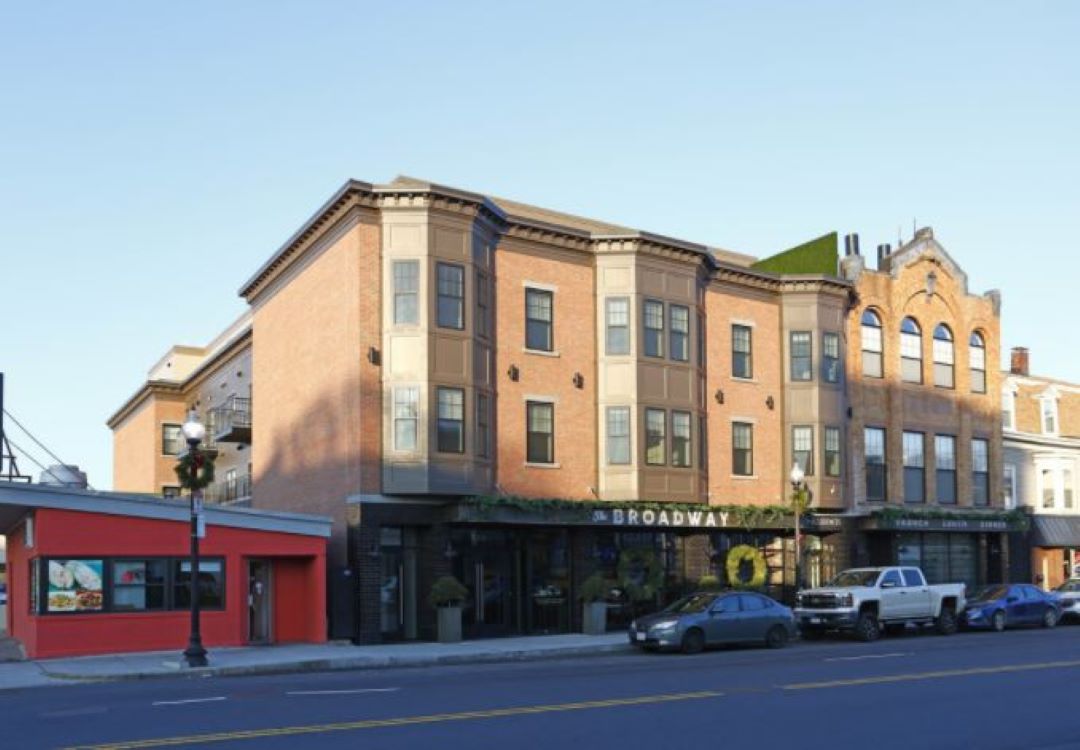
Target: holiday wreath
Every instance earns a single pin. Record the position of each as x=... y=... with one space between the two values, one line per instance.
x=735 y=559
x=195 y=470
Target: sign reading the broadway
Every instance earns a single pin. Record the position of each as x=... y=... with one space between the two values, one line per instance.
x=692 y=519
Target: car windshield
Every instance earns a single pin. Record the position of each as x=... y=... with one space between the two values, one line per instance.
x=855 y=578
x=990 y=593
x=690 y=604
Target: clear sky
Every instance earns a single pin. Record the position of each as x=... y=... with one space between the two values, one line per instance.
x=153 y=155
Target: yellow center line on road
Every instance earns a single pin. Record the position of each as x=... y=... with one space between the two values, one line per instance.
x=494 y=713
x=911 y=677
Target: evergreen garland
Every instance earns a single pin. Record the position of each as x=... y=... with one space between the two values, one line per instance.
x=195 y=470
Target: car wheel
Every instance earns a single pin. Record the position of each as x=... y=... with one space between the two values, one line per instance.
x=866 y=628
x=777 y=637
x=693 y=641
x=945 y=623
x=998 y=621
x=1050 y=618
x=812 y=634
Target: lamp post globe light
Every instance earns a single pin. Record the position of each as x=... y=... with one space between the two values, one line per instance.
x=798 y=504
x=194 y=432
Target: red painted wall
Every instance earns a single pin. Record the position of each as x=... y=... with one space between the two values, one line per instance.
x=299 y=570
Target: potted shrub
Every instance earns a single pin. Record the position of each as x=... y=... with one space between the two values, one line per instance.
x=594 y=592
x=447 y=594
x=708 y=583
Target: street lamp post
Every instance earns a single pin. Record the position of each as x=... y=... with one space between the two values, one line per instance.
x=798 y=503
x=194 y=432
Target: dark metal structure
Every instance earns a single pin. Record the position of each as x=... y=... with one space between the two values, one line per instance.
x=9 y=469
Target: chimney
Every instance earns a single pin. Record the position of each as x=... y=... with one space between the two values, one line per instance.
x=1018 y=362
x=882 y=257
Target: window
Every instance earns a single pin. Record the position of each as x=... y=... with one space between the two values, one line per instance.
x=406 y=291
x=945 y=460
x=943 y=357
x=910 y=351
x=980 y=472
x=1067 y=487
x=874 y=453
x=483 y=425
x=406 y=414
x=742 y=449
x=655 y=437
x=450 y=426
x=680 y=333
x=703 y=443
x=1008 y=484
x=211 y=584
x=871 y=344
x=540 y=440
x=1047 y=488
x=977 y=362
x=654 y=328
x=172 y=440
x=892 y=578
x=230 y=484
x=1008 y=410
x=618 y=435
x=139 y=585
x=914 y=467
x=538 y=320
x=801 y=356
x=742 y=352
x=1048 y=408
x=451 y=296
x=912 y=577
x=802 y=448
x=170 y=491
x=680 y=438
x=832 y=451
x=618 y=325
x=830 y=357
x=701 y=358
x=751 y=603
x=483 y=305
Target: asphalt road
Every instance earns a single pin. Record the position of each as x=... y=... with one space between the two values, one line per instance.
x=1018 y=690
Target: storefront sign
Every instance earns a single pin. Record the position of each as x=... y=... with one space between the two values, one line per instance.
x=75 y=586
x=695 y=519
x=940 y=524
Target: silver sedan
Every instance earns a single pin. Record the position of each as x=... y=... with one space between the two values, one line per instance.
x=709 y=618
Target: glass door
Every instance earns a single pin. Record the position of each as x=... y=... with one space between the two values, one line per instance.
x=259 y=601
x=485 y=564
x=547 y=568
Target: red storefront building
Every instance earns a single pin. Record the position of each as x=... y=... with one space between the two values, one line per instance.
x=100 y=572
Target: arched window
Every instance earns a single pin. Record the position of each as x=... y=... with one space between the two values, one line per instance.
x=977 y=362
x=943 y=357
x=871 y=344
x=910 y=351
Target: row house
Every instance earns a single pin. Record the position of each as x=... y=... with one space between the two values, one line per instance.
x=522 y=398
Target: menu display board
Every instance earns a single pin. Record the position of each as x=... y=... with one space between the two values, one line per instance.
x=75 y=586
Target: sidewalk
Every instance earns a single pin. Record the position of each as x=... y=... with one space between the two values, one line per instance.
x=307 y=658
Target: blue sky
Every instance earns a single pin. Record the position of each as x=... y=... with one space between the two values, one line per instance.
x=153 y=155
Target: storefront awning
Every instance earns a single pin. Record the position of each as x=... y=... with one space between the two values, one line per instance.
x=1055 y=531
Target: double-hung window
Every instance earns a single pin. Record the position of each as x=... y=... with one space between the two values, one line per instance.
x=450 y=422
x=945 y=462
x=680 y=333
x=406 y=414
x=742 y=449
x=653 y=316
x=980 y=472
x=172 y=440
x=830 y=357
x=655 y=437
x=680 y=439
x=914 y=467
x=451 y=296
x=1048 y=407
x=483 y=305
x=977 y=362
x=406 y=292
x=618 y=325
x=1008 y=410
x=910 y=351
x=944 y=357
x=618 y=435
x=538 y=320
x=802 y=448
x=832 y=451
x=540 y=418
x=871 y=344
x=483 y=425
x=742 y=351
x=874 y=459
x=802 y=357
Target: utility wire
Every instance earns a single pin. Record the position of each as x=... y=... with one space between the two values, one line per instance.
x=33 y=460
x=41 y=445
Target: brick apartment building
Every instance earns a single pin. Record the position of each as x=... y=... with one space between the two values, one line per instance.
x=473 y=386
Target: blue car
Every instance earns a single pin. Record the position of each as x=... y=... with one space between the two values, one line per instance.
x=1007 y=605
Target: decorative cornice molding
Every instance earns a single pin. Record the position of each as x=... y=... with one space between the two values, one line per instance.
x=149 y=388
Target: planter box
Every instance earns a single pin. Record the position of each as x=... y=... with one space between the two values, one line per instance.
x=595 y=618
x=449 y=624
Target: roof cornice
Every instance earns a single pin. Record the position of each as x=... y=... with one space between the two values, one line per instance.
x=149 y=388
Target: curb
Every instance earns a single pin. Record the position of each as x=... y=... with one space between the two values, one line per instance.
x=352 y=663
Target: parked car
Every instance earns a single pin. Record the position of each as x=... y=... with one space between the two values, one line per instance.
x=1068 y=596
x=3 y=593
x=1006 y=605
x=863 y=600
x=710 y=618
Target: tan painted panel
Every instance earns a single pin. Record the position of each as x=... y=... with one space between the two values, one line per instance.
x=616 y=278
x=450 y=354
x=652 y=282
x=681 y=288
x=681 y=482
x=406 y=237
x=654 y=482
x=680 y=385
x=619 y=380
x=451 y=243
x=652 y=384
x=406 y=356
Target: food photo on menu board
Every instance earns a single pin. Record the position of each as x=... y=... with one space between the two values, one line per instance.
x=75 y=585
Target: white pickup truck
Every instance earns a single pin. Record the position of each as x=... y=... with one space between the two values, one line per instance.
x=864 y=600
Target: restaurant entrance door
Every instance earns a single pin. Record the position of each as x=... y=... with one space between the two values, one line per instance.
x=259 y=601
x=487 y=566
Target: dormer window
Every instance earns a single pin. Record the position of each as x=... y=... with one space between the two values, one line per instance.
x=1049 y=410
x=1008 y=409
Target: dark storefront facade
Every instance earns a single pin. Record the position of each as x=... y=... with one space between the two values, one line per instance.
x=524 y=562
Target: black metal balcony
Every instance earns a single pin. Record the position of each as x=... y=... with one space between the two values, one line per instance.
x=231 y=422
x=233 y=488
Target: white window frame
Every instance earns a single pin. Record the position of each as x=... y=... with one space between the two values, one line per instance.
x=1008 y=396
x=1009 y=483
x=1051 y=400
